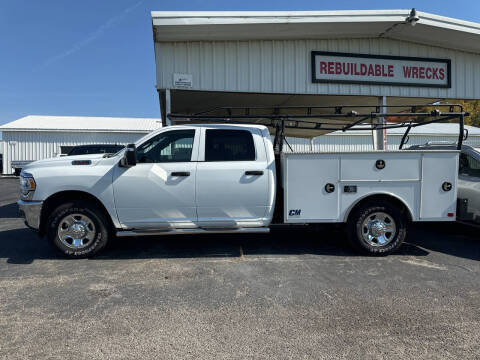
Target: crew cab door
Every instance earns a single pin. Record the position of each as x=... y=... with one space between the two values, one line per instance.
x=159 y=191
x=232 y=178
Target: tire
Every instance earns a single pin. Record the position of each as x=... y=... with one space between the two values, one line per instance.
x=78 y=229
x=377 y=228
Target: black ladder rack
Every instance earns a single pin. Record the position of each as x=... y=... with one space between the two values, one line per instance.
x=331 y=118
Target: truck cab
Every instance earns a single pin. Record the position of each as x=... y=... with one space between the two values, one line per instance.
x=198 y=177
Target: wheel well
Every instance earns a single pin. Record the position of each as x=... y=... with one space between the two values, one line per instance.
x=381 y=197
x=62 y=197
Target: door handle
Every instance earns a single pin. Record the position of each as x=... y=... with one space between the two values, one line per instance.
x=181 y=173
x=254 y=172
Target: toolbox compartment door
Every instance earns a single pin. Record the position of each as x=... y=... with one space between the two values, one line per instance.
x=306 y=177
x=437 y=168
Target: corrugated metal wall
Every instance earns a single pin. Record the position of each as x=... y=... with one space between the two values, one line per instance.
x=42 y=145
x=284 y=66
x=353 y=143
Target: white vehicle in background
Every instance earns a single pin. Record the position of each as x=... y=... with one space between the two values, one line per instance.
x=231 y=178
x=468 y=179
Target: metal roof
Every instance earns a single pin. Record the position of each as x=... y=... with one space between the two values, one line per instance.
x=82 y=124
x=248 y=25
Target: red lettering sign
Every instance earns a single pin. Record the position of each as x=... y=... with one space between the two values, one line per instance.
x=377 y=69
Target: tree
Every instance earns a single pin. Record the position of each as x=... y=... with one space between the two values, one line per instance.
x=472 y=107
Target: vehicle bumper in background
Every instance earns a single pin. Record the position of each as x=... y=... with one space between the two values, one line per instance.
x=31 y=210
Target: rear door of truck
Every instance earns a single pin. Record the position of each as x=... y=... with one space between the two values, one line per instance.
x=232 y=180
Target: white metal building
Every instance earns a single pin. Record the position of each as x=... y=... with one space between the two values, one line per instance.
x=40 y=137
x=206 y=60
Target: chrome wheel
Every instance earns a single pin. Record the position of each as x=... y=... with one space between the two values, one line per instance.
x=378 y=229
x=76 y=231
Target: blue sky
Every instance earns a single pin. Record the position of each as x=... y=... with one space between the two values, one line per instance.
x=96 y=57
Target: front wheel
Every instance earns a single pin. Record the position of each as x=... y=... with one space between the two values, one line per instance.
x=377 y=228
x=78 y=229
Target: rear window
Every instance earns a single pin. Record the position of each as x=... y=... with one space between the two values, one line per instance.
x=229 y=145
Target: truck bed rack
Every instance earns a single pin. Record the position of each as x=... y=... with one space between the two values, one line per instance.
x=311 y=121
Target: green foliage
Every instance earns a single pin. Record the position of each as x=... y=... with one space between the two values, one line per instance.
x=472 y=107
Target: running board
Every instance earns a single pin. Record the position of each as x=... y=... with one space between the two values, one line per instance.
x=191 y=231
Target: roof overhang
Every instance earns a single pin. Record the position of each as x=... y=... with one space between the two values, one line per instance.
x=275 y=25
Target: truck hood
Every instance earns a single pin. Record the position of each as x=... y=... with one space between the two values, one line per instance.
x=65 y=161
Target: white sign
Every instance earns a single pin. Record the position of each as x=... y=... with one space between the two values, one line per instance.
x=378 y=70
x=182 y=80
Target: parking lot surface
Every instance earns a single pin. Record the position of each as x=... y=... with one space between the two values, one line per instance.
x=289 y=294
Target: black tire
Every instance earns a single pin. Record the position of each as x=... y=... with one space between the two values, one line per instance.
x=356 y=230
x=101 y=231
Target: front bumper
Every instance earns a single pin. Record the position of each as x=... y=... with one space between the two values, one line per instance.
x=31 y=211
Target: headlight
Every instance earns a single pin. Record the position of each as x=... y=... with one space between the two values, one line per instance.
x=27 y=185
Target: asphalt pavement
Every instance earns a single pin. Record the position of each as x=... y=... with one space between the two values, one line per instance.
x=285 y=295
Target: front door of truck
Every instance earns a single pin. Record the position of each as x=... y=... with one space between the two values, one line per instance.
x=159 y=191
x=232 y=178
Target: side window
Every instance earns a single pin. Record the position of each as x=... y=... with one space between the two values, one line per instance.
x=229 y=145
x=469 y=166
x=170 y=146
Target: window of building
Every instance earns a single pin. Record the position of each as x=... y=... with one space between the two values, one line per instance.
x=229 y=145
x=170 y=146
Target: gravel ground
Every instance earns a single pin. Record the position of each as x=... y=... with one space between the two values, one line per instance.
x=290 y=294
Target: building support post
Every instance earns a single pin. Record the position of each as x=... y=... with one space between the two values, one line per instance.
x=168 y=107
x=379 y=136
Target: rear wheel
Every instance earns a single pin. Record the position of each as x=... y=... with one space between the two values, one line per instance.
x=377 y=228
x=78 y=229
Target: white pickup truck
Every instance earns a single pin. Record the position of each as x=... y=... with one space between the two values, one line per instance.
x=224 y=179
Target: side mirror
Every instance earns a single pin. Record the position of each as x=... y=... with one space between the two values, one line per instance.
x=130 y=156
